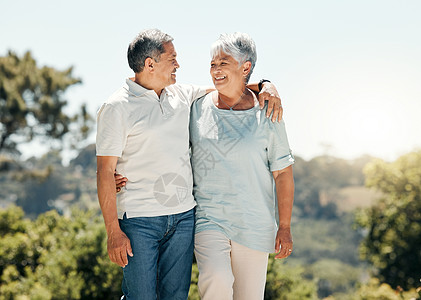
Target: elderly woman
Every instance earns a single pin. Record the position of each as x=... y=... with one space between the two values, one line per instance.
x=243 y=181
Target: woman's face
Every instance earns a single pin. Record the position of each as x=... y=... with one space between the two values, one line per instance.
x=226 y=73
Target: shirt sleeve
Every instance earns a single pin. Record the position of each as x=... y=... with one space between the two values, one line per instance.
x=111 y=131
x=279 y=153
x=192 y=92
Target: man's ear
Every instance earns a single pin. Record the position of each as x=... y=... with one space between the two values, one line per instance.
x=149 y=64
x=246 y=68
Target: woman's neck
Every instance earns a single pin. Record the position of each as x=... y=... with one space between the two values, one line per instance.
x=231 y=97
x=238 y=100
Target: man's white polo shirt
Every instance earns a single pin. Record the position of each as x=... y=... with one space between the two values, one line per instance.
x=150 y=137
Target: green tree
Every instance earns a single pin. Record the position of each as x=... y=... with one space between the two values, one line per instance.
x=374 y=290
x=32 y=102
x=393 y=224
x=288 y=283
x=55 y=257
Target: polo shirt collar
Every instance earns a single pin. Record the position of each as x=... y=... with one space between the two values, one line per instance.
x=167 y=91
x=138 y=90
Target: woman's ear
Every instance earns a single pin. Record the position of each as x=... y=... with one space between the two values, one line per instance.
x=246 y=68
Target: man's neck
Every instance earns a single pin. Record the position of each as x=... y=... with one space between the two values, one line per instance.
x=147 y=83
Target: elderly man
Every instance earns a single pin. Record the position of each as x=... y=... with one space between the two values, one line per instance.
x=143 y=134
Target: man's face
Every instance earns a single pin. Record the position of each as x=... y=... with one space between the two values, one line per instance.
x=167 y=66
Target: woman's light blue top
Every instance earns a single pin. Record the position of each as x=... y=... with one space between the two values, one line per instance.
x=233 y=155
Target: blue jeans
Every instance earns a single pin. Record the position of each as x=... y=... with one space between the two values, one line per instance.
x=162 y=256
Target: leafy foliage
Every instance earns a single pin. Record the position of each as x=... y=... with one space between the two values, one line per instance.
x=31 y=102
x=287 y=283
x=55 y=257
x=374 y=290
x=393 y=224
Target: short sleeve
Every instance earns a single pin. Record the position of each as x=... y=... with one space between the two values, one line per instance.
x=279 y=153
x=190 y=92
x=111 y=131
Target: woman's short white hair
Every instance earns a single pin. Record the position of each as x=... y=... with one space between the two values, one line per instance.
x=238 y=45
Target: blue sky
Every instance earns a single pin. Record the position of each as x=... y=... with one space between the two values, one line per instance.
x=348 y=72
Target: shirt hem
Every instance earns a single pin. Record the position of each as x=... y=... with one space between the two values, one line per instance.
x=159 y=213
x=221 y=230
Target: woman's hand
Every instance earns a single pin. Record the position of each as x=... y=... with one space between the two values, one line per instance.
x=283 y=243
x=120 y=181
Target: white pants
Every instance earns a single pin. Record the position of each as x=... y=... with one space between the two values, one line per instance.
x=228 y=270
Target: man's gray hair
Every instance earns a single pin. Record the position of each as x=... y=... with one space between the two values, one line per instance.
x=238 y=45
x=148 y=43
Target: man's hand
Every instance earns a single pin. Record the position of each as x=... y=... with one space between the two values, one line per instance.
x=118 y=246
x=120 y=181
x=270 y=93
x=283 y=241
